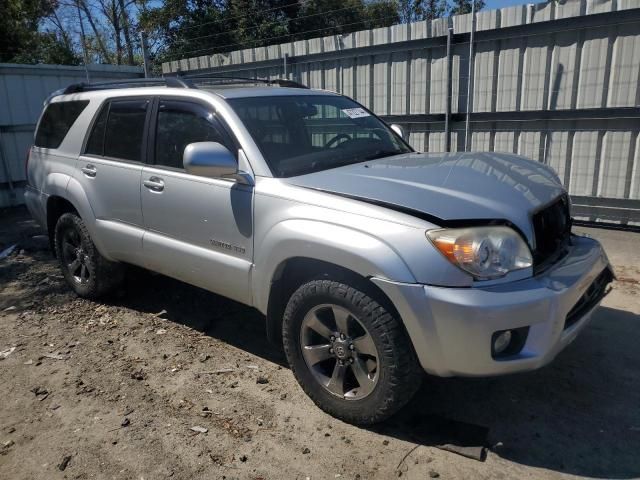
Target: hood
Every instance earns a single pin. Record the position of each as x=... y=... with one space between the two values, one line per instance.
x=447 y=186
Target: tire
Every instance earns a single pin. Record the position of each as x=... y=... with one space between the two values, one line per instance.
x=389 y=380
x=87 y=272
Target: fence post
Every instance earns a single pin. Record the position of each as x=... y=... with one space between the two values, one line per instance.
x=467 y=143
x=447 y=115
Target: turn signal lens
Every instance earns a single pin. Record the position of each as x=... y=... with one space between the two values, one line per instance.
x=484 y=252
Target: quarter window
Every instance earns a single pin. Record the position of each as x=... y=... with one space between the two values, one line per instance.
x=56 y=122
x=179 y=124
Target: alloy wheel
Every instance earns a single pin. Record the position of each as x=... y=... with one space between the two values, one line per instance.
x=339 y=352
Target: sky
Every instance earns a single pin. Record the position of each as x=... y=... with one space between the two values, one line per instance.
x=491 y=4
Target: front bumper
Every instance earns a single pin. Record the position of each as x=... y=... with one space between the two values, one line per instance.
x=451 y=328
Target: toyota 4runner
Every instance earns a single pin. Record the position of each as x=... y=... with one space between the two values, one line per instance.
x=371 y=262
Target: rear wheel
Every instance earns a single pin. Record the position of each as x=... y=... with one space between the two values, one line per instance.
x=349 y=354
x=85 y=270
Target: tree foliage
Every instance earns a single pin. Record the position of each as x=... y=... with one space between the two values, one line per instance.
x=21 y=41
x=107 y=31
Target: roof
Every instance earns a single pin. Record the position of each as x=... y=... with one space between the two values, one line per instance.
x=224 y=87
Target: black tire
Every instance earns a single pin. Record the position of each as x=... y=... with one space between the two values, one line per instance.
x=95 y=276
x=398 y=373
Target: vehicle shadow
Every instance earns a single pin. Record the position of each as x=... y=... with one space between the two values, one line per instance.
x=579 y=415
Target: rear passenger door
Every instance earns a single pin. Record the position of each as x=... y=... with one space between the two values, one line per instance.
x=199 y=230
x=109 y=171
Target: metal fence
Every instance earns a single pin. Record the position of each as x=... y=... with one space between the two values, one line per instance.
x=558 y=82
x=23 y=89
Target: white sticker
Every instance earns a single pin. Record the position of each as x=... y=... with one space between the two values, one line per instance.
x=357 y=112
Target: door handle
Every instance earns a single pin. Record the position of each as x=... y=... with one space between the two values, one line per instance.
x=154 y=183
x=89 y=170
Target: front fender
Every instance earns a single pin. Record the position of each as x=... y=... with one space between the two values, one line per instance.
x=346 y=247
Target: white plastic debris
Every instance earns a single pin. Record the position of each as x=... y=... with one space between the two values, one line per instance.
x=7 y=352
x=7 y=251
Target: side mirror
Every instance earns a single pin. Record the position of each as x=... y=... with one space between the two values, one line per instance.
x=398 y=129
x=209 y=159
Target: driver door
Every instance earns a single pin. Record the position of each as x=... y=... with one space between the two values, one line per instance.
x=198 y=230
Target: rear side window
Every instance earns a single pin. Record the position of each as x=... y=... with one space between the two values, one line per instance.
x=118 y=130
x=125 y=129
x=95 y=145
x=56 y=122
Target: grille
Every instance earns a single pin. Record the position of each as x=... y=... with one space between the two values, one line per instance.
x=552 y=228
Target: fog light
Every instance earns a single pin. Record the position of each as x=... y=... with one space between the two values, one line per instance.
x=501 y=341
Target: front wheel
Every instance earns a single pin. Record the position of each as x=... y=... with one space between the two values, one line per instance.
x=350 y=355
x=85 y=270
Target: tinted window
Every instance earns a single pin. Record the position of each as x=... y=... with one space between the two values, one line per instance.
x=125 y=129
x=95 y=145
x=56 y=122
x=179 y=124
x=300 y=134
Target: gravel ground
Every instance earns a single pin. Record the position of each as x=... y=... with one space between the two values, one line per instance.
x=164 y=380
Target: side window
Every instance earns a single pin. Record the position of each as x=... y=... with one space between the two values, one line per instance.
x=95 y=144
x=56 y=122
x=182 y=123
x=125 y=129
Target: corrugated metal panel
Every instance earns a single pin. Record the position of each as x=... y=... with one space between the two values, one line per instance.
x=23 y=89
x=615 y=160
x=583 y=162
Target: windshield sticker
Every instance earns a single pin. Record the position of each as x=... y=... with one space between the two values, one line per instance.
x=355 y=112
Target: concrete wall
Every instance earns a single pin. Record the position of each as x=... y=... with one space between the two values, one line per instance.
x=23 y=89
x=558 y=81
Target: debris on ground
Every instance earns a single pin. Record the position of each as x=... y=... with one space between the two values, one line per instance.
x=5 y=353
x=199 y=429
x=7 y=251
x=64 y=463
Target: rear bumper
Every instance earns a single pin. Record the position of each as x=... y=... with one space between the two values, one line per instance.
x=452 y=328
x=36 y=202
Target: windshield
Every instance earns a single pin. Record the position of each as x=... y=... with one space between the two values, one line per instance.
x=301 y=134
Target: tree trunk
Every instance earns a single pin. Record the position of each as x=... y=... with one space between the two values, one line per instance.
x=126 y=28
x=115 y=21
x=101 y=45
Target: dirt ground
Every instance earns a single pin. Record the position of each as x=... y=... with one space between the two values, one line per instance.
x=112 y=390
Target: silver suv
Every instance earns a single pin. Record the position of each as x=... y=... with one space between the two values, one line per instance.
x=371 y=262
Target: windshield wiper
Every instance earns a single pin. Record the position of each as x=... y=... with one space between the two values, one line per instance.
x=381 y=154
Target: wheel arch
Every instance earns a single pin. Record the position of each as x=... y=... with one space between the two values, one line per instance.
x=56 y=207
x=293 y=272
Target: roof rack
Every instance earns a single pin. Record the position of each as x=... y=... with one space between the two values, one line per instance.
x=223 y=80
x=175 y=82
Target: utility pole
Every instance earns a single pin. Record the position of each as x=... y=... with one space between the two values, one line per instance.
x=145 y=54
x=467 y=142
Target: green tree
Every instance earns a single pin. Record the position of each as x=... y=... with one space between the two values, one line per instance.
x=318 y=18
x=182 y=29
x=417 y=10
x=19 y=35
x=461 y=7
x=47 y=47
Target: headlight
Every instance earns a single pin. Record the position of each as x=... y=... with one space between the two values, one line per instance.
x=484 y=252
